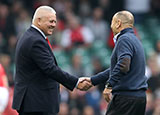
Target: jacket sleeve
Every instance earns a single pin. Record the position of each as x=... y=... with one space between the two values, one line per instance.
x=124 y=52
x=101 y=77
x=45 y=61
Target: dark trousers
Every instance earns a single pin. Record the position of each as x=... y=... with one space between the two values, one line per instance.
x=36 y=113
x=126 y=105
x=21 y=112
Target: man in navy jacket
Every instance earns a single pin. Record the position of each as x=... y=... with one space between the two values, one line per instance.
x=125 y=78
x=37 y=73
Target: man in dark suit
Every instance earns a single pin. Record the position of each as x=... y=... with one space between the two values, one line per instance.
x=125 y=79
x=37 y=73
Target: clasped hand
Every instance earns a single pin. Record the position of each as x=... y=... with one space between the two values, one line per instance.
x=84 y=84
x=107 y=94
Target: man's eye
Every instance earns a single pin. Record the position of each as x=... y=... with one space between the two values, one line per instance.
x=52 y=21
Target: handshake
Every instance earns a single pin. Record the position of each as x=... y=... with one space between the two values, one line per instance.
x=84 y=83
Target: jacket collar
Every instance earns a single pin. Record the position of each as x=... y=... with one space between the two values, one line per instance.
x=33 y=26
x=126 y=30
x=130 y=30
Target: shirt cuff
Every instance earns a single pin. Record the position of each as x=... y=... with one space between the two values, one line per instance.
x=77 y=83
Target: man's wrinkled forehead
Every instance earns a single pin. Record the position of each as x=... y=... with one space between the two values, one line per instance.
x=114 y=18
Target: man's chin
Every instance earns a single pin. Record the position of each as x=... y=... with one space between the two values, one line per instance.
x=50 y=33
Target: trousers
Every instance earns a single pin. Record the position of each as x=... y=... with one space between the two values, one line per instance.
x=126 y=105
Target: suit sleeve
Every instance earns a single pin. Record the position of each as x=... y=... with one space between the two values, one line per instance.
x=124 y=52
x=101 y=77
x=45 y=61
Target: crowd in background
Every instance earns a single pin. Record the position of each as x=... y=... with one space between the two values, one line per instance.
x=82 y=43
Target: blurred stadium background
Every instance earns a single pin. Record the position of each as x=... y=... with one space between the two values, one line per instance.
x=82 y=44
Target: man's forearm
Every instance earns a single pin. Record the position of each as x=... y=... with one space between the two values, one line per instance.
x=101 y=77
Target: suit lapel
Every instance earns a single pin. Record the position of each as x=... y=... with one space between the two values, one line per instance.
x=52 y=55
x=55 y=60
x=47 y=43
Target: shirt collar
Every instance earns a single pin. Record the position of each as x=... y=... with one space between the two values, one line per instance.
x=39 y=31
x=115 y=37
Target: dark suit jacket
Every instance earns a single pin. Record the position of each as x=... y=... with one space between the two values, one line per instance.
x=37 y=75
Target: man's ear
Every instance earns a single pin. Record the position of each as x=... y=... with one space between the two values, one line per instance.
x=39 y=20
x=118 y=25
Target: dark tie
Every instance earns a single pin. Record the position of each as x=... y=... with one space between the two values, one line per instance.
x=48 y=43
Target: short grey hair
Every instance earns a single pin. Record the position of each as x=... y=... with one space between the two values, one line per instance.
x=40 y=12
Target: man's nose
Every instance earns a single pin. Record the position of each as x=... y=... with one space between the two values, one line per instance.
x=53 y=24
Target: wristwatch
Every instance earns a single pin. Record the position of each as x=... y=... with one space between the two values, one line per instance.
x=108 y=86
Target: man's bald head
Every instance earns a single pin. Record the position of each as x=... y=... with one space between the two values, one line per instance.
x=42 y=11
x=126 y=18
x=122 y=20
